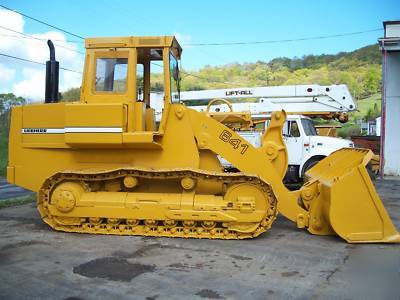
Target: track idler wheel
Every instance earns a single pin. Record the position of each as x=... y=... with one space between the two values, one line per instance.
x=249 y=199
x=66 y=195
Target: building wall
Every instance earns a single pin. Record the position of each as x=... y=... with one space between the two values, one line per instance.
x=391 y=84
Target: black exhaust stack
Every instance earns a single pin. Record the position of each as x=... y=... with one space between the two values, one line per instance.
x=52 y=70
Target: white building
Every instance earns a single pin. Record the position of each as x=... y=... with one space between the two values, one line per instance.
x=390 y=121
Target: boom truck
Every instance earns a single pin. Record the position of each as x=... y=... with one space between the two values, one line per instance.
x=102 y=165
x=301 y=103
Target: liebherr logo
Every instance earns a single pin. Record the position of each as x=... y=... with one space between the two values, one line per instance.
x=34 y=130
x=238 y=93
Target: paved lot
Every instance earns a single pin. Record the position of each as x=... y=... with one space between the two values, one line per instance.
x=39 y=263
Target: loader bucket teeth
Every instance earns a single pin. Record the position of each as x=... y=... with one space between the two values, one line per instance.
x=341 y=199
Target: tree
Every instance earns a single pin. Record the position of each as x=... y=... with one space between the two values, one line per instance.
x=70 y=95
x=372 y=80
x=6 y=102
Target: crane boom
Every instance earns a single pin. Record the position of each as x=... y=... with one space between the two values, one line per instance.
x=311 y=100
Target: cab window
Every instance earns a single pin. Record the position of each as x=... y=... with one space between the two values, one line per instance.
x=174 y=78
x=294 y=129
x=140 y=82
x=309 y=128
x=111 y=74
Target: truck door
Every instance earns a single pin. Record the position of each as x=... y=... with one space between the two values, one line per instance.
x=294 y=141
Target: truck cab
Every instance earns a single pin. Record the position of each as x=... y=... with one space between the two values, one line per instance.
x=305 y=146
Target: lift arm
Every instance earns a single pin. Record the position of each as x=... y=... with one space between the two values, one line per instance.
x=339 y=197
x=265 y=162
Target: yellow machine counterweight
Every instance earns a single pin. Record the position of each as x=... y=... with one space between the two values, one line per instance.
x=103 y=165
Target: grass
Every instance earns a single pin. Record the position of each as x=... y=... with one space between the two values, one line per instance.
x=365 y=104
x=3 y=167
x=3 y=152
x=17 y=201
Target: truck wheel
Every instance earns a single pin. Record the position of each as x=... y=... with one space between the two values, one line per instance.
x=309 y=164
x=292 y=174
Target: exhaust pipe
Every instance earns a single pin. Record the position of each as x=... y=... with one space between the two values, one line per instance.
x=52 y=70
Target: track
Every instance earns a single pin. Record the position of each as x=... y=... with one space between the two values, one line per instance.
x=169 y=203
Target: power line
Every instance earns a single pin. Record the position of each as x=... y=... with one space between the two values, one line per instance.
x=215 y=44
x=24 y=37
x=66 y=69
x=36 y=62
x=284 y=40
x=189 y=44
x=42 y=22
x=39 y=39
x=70 y=33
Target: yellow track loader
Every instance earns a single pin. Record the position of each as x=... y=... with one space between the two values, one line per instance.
x=102 y=165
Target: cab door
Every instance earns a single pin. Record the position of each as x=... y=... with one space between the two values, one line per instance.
x=294 y=142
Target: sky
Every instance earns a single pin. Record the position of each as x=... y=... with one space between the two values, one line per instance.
x=192 y=22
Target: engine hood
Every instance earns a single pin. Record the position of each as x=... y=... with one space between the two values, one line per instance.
x=330 y=142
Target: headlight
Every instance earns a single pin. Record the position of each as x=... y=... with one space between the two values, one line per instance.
x=351 y=145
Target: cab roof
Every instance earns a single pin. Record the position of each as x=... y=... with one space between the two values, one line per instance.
x=133 y=42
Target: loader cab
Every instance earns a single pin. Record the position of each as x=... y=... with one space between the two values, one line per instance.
x=126 y=71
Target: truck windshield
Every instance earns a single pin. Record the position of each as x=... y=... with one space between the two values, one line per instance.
x=308 y=127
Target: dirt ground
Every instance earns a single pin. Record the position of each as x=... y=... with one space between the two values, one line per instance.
x=39 y=263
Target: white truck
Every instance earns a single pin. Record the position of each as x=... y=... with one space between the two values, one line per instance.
x=305 y=146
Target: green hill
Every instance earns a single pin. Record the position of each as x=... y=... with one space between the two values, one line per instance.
x=364 y=56
x=360 y=70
